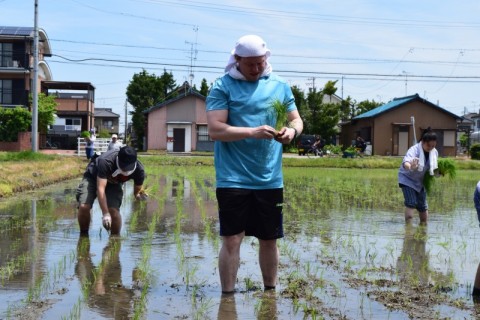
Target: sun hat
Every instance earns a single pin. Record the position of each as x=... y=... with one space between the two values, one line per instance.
x=251 y=46
x=127 y=158
x=248 y=46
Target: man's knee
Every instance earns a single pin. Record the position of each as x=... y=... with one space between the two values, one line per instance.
x=84 y=208
x=232 y=243
x=268 y=244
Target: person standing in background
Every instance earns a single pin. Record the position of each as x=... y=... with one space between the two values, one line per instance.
x=114 y=144
x=90 y=145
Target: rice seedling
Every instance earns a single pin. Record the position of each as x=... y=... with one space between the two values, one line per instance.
x=76 y=311
x=250 y=284
x=277 y=114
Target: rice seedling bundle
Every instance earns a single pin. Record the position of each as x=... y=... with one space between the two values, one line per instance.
x=278 y=112
x=446 y=167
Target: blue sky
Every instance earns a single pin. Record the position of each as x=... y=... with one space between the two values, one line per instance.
x=375 y=49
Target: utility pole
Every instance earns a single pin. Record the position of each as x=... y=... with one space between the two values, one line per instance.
x=406 y=81
x=342 y=85
x=35 y=82
x=126 y=122
x=311 y=83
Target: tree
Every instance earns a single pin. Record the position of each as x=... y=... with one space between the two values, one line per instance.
x=204 y=87
x=144 y=91
x=329 y=89
x=314 y=102
x=319 y=117
x=347 y=110
x=366 y=105
x=47 y=107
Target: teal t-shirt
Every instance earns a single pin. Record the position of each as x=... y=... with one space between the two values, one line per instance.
x=249 y=163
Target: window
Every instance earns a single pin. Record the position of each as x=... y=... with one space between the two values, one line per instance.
x=73 y=124
x=449 y=138
x=107 y=123
x=6 y=92
x=203 y=133
x=6 y=55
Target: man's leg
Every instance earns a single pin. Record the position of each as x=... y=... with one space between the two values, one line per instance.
x=476 y=284
x=85 y=195
x=229 y=261
x=269 y=258
x=84 y=217
x=114 y=193
x=116 y=220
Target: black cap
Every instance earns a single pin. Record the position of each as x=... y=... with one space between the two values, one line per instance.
x=127 y=158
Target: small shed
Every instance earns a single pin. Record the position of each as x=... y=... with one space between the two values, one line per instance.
x=389 y=128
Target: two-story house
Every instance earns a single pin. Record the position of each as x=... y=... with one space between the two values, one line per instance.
x=16 y=64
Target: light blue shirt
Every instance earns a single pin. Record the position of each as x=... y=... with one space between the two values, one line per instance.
x=413 y=179
x=476 y=199
x=249 y=163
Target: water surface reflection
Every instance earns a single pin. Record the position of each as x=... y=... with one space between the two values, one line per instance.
x=102 y=284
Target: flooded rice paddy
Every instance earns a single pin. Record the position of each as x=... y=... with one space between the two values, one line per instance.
x=347 y=253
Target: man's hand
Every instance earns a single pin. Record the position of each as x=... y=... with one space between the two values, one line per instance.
x=285 y=135
x=142 y=195
x=263 y=132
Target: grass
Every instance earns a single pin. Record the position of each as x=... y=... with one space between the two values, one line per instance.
x=22 y=171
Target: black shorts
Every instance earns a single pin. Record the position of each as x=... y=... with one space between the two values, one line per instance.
x=257 y=212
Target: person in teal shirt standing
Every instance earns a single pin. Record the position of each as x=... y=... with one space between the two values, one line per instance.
x=248 y=156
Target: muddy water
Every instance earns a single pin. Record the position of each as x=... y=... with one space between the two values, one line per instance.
x=349 y=261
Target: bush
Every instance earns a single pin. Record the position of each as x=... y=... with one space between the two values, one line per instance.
x=475 y=151
x=13 y=121
x=332 y=149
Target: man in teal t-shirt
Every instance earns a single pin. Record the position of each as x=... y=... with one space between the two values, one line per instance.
x=248 y=156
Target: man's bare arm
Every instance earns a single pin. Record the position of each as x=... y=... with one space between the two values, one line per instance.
x=218 y=129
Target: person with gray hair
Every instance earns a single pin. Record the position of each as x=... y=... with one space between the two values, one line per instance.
x=248 y=156
x=114 y=144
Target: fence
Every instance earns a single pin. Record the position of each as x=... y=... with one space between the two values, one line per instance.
x=101 y=145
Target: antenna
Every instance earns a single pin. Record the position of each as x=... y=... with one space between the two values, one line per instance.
x=193 y=55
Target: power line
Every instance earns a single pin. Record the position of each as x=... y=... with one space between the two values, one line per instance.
x=289 y=72
x=354 y=59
